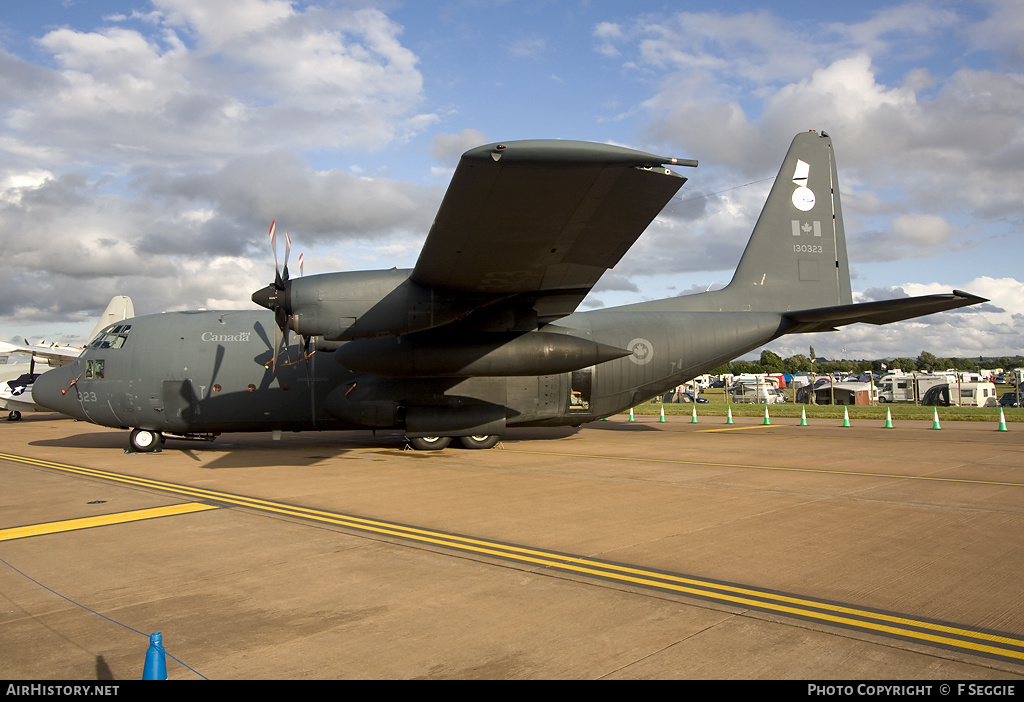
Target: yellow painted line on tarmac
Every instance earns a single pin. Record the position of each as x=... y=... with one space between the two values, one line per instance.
x=101 y=520
x=637 y=459
x=893 y=624
x=756 y=426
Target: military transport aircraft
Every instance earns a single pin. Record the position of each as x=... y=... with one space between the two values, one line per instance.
x=483 y=333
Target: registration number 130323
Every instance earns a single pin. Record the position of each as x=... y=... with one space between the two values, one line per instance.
x=807 y=248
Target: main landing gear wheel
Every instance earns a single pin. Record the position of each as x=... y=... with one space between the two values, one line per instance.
x=14 y=416
x=479 y=441
x=145 y=440
x=430 y=443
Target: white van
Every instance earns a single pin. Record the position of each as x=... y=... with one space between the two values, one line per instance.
x=909 y=387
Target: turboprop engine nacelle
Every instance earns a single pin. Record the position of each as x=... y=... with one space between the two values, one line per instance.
x=342 y=306
x=482 y=354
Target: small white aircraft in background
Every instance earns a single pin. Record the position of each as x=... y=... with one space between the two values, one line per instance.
x=16 y=384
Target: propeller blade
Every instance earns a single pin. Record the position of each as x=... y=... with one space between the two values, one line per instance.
x=280 y=317
x=287 y=250
x=278 y=334
x=281 y=332
x=275 y=297
x=273 y=246
x=300 y=265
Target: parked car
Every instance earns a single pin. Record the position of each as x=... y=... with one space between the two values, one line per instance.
x=1012 y=399
x=687 y=397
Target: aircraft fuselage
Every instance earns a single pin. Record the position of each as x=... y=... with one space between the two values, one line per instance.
x=210 y=372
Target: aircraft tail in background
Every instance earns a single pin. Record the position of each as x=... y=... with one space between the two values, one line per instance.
x=120 y=308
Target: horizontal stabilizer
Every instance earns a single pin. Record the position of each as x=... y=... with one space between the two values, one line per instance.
x=881 y=312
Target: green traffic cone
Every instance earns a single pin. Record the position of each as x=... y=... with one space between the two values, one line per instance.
x=662 y=419
x=767 y=421
x=803 y=416
x=1002 y=421
x=631 y=415
x=846 y=417
x=888 y=419
x=935 y=419
x=728 y=416
x=694 y=416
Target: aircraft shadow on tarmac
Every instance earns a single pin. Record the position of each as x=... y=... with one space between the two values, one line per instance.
x=231 y=451
x=306 y=449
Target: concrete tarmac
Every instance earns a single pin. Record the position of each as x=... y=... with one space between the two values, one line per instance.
x=923 y=528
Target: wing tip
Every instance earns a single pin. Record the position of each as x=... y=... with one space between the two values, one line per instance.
x=568 y=152
x=975 y=299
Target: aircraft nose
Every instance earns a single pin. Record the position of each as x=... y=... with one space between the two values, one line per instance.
x=51 y=391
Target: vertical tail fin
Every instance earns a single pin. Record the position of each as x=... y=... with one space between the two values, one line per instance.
x=796 y=257
x=120 y=308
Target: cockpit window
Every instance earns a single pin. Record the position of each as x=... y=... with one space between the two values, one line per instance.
x=113 y=337
x=94 y=369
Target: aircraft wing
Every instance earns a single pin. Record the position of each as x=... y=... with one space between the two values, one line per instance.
x=542 y=220
x=119 y=308
x=54 y=355
x=881 y=312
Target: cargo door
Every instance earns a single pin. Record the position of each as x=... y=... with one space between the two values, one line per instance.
x=178 y=404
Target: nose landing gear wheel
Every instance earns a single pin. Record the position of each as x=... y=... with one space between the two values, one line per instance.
x=144 y=440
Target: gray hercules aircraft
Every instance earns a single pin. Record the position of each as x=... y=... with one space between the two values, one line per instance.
x=483 y=333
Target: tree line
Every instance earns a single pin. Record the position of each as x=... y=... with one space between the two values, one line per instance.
x=771 y=362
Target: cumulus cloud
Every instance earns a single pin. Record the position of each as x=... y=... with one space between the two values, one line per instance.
x=713 y=240
x=214 y=79
x=1001 y=32
x=911 y=235
x=611 y=281
x=254 y=189
x=151 y=153
x=875 y=294
x=448 y=148
x=606 y=35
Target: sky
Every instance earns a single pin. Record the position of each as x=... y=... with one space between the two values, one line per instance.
x=145 y=147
